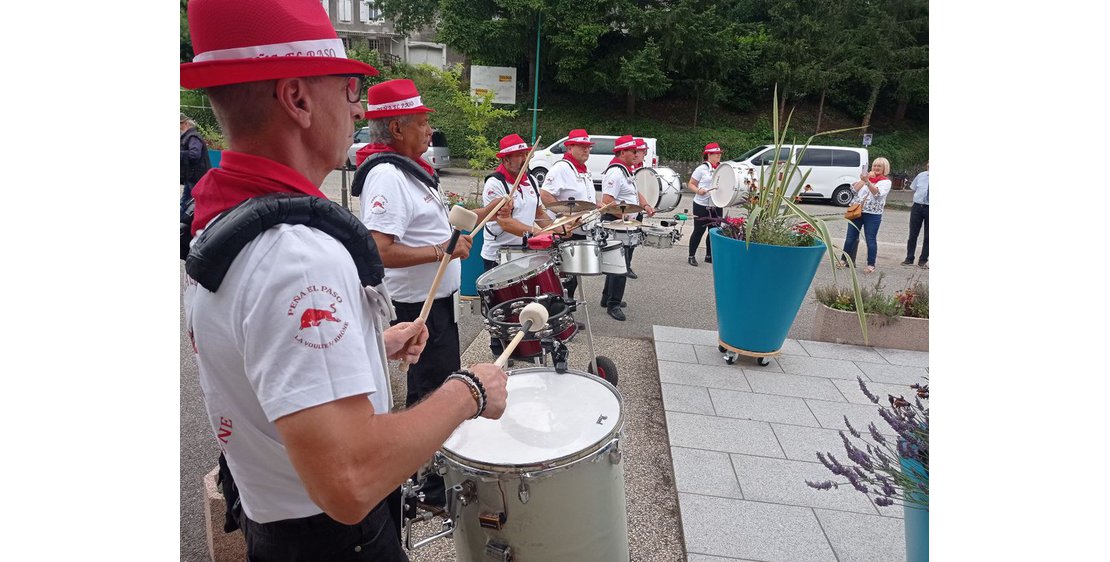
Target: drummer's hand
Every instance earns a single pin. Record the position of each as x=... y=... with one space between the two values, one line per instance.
x=493 y=380
x=506 y=210
x=650 y=210
x=462 y=247
x=702 y=191
x=397 y=337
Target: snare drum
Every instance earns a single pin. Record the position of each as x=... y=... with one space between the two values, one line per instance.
x=731 y=183
x=534 y=276
x=612 y=258
x=658 y=237
x=628 y=234
x=545 y=483
x=580 y=257
x=661 y=187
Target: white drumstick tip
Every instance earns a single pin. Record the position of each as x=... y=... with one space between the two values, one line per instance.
x=462 y=218
x=536 y=313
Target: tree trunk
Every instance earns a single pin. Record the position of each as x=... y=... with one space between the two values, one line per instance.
x=630 y=105
x=697 y=105
x=531 y=73
x=820 y=111
x=903 y=102
x=870 y=107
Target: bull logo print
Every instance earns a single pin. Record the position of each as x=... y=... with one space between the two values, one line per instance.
x=313 y=316
x=377 y=204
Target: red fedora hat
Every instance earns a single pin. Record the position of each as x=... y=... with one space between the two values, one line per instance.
x=512 y=144
x=578 y=136
x=254 y=40
x=625 y=142
x=641 y=144
x=394 y=97
x=712 y=148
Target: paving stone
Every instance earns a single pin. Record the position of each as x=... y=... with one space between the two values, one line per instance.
x=764 y=407
x=752 y=530
x=831 y=415
x=784 y=481
x=685 y=335
x=682 y=398
x=851 y=390
x=864 y=538
x=679 y=352
x=706 y=558
x=792 y=385
x=722 y=434
x=803 y=443
x=708 y=473
x=703 y=375
x=819 y=367
x=904 y=357
x=792 y=347
x=896 y=374
x=842 y=351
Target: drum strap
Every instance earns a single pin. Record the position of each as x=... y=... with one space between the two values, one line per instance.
x=504 y=181
x=622 y=168
x=403 y=162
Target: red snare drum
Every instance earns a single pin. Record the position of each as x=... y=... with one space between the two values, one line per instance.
x=536 y=277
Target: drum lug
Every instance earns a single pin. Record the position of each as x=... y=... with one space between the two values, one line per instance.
x=615 y=454
x=523 y=492
x=499 y=551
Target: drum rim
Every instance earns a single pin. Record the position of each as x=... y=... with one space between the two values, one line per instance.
x=559 y=463
x=549 y=263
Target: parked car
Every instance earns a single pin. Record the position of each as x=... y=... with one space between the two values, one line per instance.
x=437 y=154
x=832 y=169
x=600 y=156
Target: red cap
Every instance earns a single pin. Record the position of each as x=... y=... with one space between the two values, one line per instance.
x=392 y=98
x=641 y=144
x=254 y=40
x=512 y=144
x=578 y=136
x=712 y=148
x=625 y=142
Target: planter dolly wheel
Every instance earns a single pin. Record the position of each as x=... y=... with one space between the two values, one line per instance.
x=607 y=368
x=763 y=361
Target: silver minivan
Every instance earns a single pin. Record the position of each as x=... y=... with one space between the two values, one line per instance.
x=832 y=169
x=437 y=154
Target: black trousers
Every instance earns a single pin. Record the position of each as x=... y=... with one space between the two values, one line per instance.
x=919 y=216
x=613 y=292
x=440 y=358
x=319 y=537
x=701 y=226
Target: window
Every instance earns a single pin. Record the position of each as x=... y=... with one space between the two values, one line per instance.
x=816 y=157
x=751 y=153
x=558 y=148
x=368 y=11
x=363 y=135
x=768 y=157
x=374 y=44
x=344 y=10
x=845 y=158
x=603 y=146
x=439 y=139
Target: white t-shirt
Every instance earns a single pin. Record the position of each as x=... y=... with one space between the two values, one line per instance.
x=289 y=328
x=415 y=215
x=563 y=181
x=703 y=174
x=620 y=186
x=525 y=201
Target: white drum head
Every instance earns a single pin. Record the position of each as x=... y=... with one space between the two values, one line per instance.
x=728 y=179
x=513 y=271
x=648 y=184
x=549 y=416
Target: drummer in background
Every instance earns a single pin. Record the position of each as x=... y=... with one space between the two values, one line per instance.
x=617 y=186
x=641 y=153
x=569 y=178
x=704 y=210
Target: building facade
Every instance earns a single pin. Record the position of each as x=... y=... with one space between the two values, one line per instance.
x=359 y=23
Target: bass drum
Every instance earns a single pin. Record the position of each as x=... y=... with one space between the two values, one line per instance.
x=545 y=483
x=661 y=187
x=731 y=183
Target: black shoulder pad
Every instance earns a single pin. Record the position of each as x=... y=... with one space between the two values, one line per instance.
x=222 y=240
x=403 y=162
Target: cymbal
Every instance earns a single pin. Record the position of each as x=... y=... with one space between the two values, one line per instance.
x=622 y=225
x=625 y=209
x=559 y=222
x=572 y=206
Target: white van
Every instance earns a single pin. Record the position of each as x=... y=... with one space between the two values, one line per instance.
x=600 y=155
x=833 y=169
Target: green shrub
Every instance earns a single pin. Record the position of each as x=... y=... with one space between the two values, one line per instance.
x=913 y=301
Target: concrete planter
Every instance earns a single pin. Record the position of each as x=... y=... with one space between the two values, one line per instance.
x=838 y=326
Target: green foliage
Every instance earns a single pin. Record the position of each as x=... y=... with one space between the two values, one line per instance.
x=642 y=74
x=912 y=301
x=213 y=137
x=186 y=39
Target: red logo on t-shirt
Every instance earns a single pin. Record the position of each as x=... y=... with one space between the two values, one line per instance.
x=224 y=433
x=313 y=316
x=320 y=328
x=377 y=204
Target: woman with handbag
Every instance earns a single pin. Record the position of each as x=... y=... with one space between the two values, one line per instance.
x=866 y=212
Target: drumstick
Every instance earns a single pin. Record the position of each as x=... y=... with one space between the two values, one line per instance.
x=505 y=199
x=460 y=218
x=532 y=316
x=598 y=210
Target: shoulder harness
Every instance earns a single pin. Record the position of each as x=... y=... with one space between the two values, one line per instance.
x=403 y=162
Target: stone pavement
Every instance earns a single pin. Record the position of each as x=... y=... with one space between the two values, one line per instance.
x=743 y=440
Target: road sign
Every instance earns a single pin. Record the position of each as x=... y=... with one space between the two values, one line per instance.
x=501 y=80
x=867 y=140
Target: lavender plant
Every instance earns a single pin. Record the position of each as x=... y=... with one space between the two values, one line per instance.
x=876 y=469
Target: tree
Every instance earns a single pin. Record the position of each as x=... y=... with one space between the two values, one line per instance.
x=642 y=75
x=186 y=39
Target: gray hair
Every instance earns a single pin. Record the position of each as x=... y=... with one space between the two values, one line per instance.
x=379 y=128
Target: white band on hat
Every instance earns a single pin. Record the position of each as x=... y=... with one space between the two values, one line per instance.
x=629 y=144
x=313 y=48
x=399 y=104
x=515 y=147
x=578 y=139
x=712 y=150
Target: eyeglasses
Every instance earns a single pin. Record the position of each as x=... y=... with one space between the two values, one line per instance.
x=356 y=84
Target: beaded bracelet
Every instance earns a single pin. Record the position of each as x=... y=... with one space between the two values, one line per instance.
x=478 y=383
x=479 y=400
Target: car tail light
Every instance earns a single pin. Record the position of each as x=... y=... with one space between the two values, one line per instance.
x=654 y=161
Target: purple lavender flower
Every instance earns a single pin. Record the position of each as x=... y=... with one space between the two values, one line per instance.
x=850 y=428
x=878 y=437
x=855 y=481
x=827 y=484
x=867 y=393
x=883 y=502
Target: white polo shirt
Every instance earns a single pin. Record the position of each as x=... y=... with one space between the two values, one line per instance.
x=415 y=215
x=703 y=174
x=525 y=201
x=619 y=185
x=563 y=181
x=289 y=328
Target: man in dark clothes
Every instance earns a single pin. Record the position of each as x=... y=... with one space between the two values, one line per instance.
x=194 y=160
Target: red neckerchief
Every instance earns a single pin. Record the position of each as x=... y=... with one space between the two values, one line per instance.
x=365 y=152
x=509 y=178
x=580 y=167
x=617 y=161
x=240 y=177
x=876 y=179
x=711 y=165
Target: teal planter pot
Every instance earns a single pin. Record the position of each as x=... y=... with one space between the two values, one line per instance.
x=214 y=157
x=916 y=517
x=759 y=290
x=472 y=267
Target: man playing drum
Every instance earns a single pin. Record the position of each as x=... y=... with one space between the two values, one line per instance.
x=288 y=349
x=617 y=186
x=641 y=152
x=704 y=209
x=569 y=178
